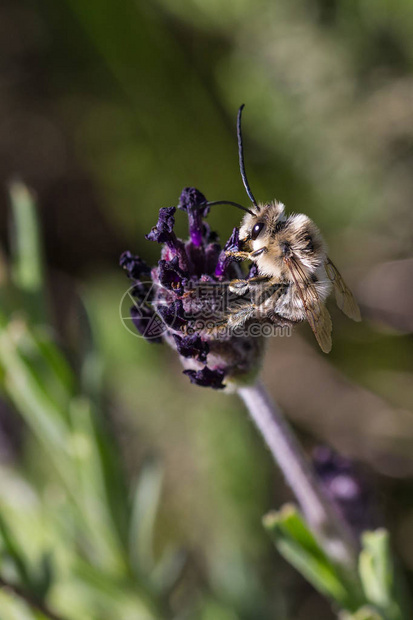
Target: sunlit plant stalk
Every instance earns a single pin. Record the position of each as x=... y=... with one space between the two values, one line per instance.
x=331 y=531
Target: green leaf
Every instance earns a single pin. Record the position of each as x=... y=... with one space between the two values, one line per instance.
x=168 y=570
x=376 y=578
x=298 y=546
x=100 y=489
x=122 y=594
x=377 y=574
x=15 y=554
x=364 y=613
x=27 y=257
x=60 y=377
x=42 y=576
x=92 y=367
x=144 y=510
x=25 y=385
x=40 y=385
x=13 y=608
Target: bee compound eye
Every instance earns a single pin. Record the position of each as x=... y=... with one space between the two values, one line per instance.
x=256 y=230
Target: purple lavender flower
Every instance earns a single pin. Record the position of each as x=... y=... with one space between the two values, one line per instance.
x=346 y=487
x=182 y=299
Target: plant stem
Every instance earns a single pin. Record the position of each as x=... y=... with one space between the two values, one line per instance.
x=29 y=599
x=330 y=530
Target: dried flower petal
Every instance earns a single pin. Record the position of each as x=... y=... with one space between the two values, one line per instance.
x=194 y=203
x=207 y=377
x=232 y=245
x=163 y=231
x=134 y=266
x=192 y=346
x=171 y=276
x=148 y=324
x=172 y=314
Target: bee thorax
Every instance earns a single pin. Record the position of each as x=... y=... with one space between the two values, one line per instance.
x=286 y=250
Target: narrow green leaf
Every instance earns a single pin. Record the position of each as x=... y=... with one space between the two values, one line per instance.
x=144 y=510
x=364 y=613
x=168 y=570
x=92 y=367
x=52 y=358
x=13 y=608
x=42 y=576
x=92 y=463
x=127 y=594
x=297 y=544
x=376 y=568
x=27 y=259
x=15 y=553
x=47 y=413
x=26 y=389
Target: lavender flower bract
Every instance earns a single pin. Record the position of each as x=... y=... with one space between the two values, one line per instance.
x=179 y=301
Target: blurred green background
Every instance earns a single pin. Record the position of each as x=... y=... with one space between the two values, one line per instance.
x=107 y=110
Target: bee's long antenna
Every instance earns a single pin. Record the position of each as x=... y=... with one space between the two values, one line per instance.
x=229 y=202
x=241 y=160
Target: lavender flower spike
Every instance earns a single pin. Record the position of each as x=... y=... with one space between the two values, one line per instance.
x=182 y=300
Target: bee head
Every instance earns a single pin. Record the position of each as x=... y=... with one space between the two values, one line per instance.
x=258 y=227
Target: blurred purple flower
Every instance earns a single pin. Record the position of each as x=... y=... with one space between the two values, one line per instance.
x=185 y=291
x=348 y=489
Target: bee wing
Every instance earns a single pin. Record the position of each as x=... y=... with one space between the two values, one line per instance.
x=317 y=314
x=344 y=297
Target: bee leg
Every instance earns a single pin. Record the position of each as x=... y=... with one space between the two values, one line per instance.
x=258 y=252
x=258 y=280
x=242 y=255
x=242 y=314
x=247 y=255
x=241 y=287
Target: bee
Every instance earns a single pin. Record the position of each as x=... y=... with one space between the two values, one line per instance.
x=294 y=272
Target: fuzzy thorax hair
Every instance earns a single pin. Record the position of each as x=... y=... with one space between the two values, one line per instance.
x=295 y=236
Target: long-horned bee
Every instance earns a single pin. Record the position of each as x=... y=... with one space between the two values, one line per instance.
x=294 y=273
